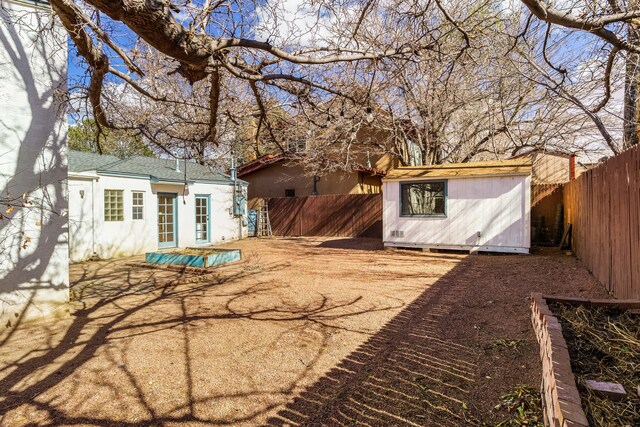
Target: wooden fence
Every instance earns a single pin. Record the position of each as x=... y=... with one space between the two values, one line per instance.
x=347 y=215
x=603 y=206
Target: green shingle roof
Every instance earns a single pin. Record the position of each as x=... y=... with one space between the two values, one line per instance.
x=80 y=161
x=155 y=169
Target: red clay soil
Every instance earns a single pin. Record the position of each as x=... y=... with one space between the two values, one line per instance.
x=303 y=331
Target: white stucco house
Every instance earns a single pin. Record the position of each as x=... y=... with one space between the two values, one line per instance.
x=122 y=207
x=479 y=206
x=34 y=279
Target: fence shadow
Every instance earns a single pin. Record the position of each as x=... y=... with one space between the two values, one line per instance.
x=406 y=374
x=365 y=244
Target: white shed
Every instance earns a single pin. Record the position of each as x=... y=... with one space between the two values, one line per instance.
x=121 y=207
x=481 y=206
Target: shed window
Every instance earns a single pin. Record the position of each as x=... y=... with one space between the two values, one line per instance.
x=137 y=204
x=113 y=205
x=423 y=198
x=290 y=192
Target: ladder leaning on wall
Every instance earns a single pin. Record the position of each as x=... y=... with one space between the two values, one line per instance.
x=264 y=225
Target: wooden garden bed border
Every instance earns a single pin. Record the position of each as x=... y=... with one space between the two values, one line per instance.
x=560 y=397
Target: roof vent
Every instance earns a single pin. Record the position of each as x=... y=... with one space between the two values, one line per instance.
x=177 y=165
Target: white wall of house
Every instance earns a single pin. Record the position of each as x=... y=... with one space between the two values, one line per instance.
x=109 y=239
x=34 y=279
x=496 y=207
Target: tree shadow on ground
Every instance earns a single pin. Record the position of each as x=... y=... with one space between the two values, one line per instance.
x=91 y=370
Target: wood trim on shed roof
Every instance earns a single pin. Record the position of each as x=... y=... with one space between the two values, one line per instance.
x=520 y=166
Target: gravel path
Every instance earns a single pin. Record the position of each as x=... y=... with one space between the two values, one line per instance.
x=302 y=331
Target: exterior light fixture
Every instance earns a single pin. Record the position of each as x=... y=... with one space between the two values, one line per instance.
x=369 y=116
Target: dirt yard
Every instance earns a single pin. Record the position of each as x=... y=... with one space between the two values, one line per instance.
x=302 y=331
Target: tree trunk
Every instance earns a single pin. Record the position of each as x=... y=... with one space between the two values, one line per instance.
x=630 y=134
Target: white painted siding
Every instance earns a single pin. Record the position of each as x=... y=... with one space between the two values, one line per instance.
x=130 y=237
x=497 y=207
x=34 y=279
x=80 y=216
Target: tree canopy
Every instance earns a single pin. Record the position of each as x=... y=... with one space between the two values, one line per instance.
x=84 y=136
x=457 y=80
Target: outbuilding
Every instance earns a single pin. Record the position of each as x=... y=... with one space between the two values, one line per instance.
x=121 y=207
x=480 y=206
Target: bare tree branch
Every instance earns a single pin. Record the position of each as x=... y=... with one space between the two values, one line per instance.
x=595 y=26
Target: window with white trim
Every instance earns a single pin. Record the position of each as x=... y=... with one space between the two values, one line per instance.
x=137 y=204
x=427 y=198
x=113 y=205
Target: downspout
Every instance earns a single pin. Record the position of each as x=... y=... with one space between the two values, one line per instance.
x=93 y=220
x=184 y=203
x=184 y=188
x=234 y=179
x=239 y=224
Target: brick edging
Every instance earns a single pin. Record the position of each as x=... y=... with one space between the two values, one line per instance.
x=561 y=400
